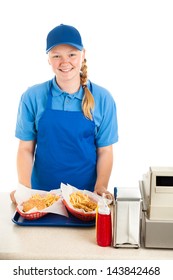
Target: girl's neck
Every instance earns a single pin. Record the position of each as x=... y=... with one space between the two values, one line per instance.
x=69 y=87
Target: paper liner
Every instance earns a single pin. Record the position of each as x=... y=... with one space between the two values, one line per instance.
x=23 y=194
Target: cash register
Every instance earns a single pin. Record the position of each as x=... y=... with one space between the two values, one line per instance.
x=157 y=207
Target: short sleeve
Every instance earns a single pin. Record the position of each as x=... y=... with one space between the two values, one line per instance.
x=106 y=121
x=25 y=125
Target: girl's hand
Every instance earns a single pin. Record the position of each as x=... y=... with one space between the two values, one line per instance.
x=12 y=197
x=103 y=190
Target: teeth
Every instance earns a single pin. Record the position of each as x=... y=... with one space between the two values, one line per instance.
x=67 y=70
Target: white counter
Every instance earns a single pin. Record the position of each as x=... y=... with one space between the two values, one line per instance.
x=23 y=242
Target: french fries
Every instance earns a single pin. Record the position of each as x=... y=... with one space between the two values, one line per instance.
x=39 y=201
x=82 y=201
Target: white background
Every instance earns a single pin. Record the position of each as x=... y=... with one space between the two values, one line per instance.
x=129 y=51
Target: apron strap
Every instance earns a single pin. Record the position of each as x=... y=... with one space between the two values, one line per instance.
x=49 y=98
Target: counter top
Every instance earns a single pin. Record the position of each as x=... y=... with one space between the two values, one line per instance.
x=63 y=243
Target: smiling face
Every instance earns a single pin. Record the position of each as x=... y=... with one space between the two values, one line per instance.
x=66 y=62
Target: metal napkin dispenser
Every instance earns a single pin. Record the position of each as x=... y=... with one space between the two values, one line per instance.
x=157 y=189
x=126 y=218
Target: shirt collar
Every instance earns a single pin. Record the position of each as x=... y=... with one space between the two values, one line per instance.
x=56 y=91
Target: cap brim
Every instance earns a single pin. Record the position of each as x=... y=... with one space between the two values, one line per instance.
x=80 y=48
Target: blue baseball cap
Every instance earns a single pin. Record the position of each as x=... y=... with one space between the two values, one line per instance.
x=64 y=34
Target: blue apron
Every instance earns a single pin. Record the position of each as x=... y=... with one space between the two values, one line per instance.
x=65 y=150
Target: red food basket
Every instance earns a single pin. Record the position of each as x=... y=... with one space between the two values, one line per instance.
x=80 y=215
x=31 y=216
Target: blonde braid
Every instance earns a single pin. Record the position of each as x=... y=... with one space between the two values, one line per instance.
x=88 y=99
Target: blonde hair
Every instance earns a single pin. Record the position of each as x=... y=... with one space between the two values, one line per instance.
x=88 y=99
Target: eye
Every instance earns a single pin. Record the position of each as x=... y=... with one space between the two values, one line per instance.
x=72 y=54
x=56 y=56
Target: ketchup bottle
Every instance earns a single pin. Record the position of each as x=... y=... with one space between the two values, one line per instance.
x=103 y=225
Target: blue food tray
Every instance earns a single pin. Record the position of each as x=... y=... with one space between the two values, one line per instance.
x=52 y=220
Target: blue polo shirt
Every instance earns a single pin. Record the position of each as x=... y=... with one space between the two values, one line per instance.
x=33 y=103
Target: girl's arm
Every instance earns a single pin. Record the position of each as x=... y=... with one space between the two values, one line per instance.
x=25 y=156
x=104 y=168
